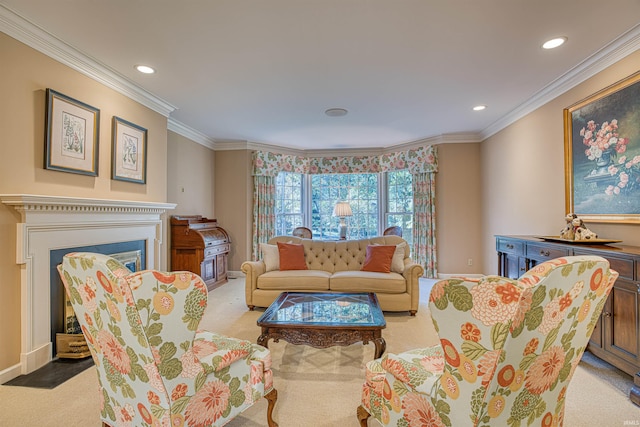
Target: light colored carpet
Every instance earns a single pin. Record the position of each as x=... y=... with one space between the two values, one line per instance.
x=316 y=387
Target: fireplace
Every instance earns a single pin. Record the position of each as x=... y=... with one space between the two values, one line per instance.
x=131 y=254
x=51 y=223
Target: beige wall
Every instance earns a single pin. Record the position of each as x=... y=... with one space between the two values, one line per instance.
x=24 y=76
x=190 y=178
x=523 y=171
x=459 y=209
x=234 y=201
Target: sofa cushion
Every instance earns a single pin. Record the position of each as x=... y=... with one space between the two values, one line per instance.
x=397 y=263
x=295 y=280
x=378 y=258
x=291 y=257
x=270 y=256
x=367 y=281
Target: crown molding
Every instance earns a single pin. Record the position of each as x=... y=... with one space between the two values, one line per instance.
x=190 y=133
x=605 y=57
x=37 y=38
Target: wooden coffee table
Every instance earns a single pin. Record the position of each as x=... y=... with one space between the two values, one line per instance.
x=324 y=320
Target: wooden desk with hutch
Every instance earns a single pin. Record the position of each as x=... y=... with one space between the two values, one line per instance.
x=201 y=246
x=616 y=337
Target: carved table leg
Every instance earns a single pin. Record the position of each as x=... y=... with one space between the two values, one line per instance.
x=381 y=346
x=363 y=416
x=263 y=339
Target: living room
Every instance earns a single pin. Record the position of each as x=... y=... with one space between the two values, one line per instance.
x=509 y=183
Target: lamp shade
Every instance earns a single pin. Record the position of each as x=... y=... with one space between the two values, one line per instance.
x=342 y=209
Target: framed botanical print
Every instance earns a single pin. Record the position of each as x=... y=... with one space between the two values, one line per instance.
x=71 y=135
x=129 y=156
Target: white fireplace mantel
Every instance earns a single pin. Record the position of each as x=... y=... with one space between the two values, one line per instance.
x=55 y=222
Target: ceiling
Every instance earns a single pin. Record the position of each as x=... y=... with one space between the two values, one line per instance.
x=406 y=70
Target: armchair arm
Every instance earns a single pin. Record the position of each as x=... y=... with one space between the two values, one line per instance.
x=216 y=351
x=420 y=369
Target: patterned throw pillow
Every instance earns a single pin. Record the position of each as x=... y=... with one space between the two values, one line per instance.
x=378 y=258
x=291 y=256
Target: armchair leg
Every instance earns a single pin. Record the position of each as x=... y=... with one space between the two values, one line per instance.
x=271 y=397
x=363 y=416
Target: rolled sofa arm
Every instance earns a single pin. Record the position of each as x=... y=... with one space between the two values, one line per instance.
x=412 y=273
x=251 y=269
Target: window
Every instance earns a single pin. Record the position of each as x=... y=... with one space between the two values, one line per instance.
x=360 y=190
x=400 y=202
x=288 y=210
x=308 y=200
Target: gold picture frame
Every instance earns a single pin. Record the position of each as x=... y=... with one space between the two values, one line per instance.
x=129 y=154
x=602 y=154
x=71 y=135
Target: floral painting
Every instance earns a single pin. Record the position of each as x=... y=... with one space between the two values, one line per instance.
x=129 y=157
x=602 y=146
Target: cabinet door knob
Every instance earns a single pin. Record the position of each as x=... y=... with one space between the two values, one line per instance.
x=607 y=314
x=544 y=253
x=509 y=246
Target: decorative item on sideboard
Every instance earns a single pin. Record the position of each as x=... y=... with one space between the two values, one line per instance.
x=575 y=231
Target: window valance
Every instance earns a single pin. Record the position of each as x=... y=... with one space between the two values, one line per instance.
x=417 y=160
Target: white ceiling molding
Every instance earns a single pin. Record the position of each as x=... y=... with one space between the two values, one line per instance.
x=35 y=37
x=196 y=136
x=605 y=57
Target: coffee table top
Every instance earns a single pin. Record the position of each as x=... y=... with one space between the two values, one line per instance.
x=324 y=309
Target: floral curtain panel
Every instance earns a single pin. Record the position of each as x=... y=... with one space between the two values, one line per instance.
x=424 y=222
x=421 y=162
x=264 y=218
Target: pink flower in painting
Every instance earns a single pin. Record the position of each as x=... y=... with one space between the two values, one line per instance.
x=208 y=404
x=545 y=370
x=419 y=412
x=114 y=352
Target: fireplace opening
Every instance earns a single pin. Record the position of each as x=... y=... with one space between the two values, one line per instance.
x=66 y=335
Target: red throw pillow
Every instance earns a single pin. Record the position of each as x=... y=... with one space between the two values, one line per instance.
x=291 y=257
x=379 y=258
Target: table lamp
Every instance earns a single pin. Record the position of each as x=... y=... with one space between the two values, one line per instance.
x=342 y=210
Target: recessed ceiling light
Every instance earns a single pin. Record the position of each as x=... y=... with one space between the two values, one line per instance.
x=336 y=112
x=553 y=43
x=479 y=107
x=145 y=69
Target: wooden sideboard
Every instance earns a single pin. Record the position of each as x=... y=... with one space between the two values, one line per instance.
x=616 y=338
x=201 y=246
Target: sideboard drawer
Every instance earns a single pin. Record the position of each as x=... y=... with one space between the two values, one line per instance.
x=510 y=247
x=624 y=266
x=545 y=252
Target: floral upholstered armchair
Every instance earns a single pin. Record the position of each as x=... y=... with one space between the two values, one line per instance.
x=154 y=365
x=508 y=349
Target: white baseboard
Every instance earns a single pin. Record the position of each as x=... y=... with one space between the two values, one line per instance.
x=10 y=373
x=235 y=274
x=449 y=276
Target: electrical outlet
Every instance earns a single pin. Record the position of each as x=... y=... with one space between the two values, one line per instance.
x=470 y=261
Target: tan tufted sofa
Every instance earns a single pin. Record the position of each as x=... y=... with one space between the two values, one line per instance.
x=334 y=266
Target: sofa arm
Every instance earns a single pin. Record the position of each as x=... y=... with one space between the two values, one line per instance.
x=412 y=273
x=251 y=269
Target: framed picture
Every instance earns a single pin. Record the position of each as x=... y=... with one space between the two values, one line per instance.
x=129 y=161
x=602 y=154
x=71 y=135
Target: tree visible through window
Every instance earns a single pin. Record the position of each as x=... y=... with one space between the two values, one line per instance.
x=362 y=191
x=400 y=202
x=288 y=210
